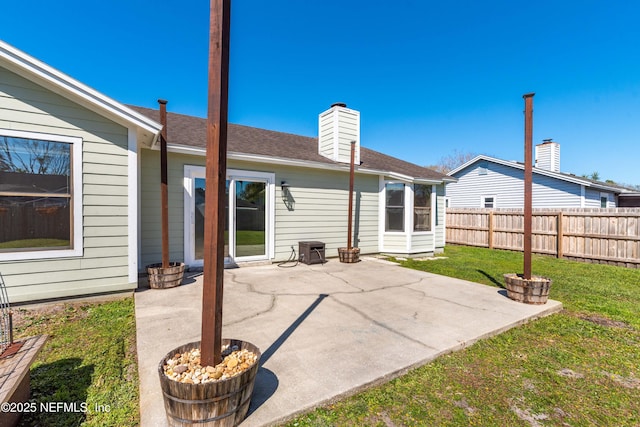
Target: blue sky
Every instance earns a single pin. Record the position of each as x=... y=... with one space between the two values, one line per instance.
x=428 y=77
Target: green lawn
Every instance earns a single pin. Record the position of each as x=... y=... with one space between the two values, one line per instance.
x=90 y=358
x=580 y=367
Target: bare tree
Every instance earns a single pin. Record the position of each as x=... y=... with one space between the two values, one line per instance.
x=452 y=161
x=34 y=156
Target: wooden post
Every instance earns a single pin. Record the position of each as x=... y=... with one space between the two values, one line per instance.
x=164 y=192
x=528 y=178
x=491 y=230
x=215 y=184
x=351 y=179
x=560 y=236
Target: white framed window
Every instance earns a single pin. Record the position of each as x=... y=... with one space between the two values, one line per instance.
x=422 y=207
x=604 y=200
x=394 y=207
x=488 y=201
x=40 y=195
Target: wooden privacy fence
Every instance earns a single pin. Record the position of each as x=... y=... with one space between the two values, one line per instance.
x=606 y=236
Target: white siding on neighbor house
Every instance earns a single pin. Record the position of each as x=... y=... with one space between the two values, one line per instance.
x=507 y=185
x=592 y=198
x=103 y=267
x=319 y=210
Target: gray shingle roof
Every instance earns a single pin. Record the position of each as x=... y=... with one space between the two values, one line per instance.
x=192 y=132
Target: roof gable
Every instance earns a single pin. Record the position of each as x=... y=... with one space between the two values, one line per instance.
x=43 y=75
x=556 y=175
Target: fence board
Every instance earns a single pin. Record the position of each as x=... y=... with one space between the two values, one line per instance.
x=593 y=235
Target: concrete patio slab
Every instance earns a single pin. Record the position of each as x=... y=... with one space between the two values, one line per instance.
x=325 y=331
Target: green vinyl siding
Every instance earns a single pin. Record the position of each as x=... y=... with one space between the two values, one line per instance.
x=103 y=267
x=319 y=211
x=422 y=243
x=150 y=227
x=395 y=243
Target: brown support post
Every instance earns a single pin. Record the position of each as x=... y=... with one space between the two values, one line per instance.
x=216 y=173
x=351 y=179
x=560 y=236
x=528 y=178
x=164 y=193
x=491 y=230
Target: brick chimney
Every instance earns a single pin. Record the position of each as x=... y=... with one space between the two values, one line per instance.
x=548 y=155
x=337 y=127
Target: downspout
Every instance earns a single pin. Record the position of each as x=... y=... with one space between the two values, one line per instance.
x=164 y=192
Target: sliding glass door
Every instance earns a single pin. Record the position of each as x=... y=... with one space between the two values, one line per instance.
x=198 y=224
x=249 y=215
x=250 y=218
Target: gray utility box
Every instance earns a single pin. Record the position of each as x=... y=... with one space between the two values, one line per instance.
x=311 y=252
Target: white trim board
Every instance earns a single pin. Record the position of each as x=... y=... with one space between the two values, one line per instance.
x=76 y=199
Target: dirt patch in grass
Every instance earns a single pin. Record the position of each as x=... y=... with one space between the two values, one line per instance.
x=89 y=361
x=626 y=382
x=528 y=416
x=34 y=315
x=603 y=321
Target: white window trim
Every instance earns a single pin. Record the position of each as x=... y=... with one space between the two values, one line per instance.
x=433 y=212
x=76 y=198
x=606 y=196
x=485 y=196
x=408 y=216
x=133 y=160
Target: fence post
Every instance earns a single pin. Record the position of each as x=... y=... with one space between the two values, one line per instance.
x=560 y=236
x=491 y=230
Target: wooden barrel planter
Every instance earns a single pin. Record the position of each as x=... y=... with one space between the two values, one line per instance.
x=222 y=403
x=533 y=291
x=162 y=278
x=349 y=255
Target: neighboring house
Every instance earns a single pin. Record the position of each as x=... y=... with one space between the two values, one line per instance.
x=80 y=188
x=487 y=182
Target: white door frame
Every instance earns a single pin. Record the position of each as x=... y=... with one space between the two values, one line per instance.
x=192 y=172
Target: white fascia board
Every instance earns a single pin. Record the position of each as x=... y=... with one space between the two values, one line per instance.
x=42 y=74
x=427 y=181
x=199 y=151
x=464 y=165
x=399 y=176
